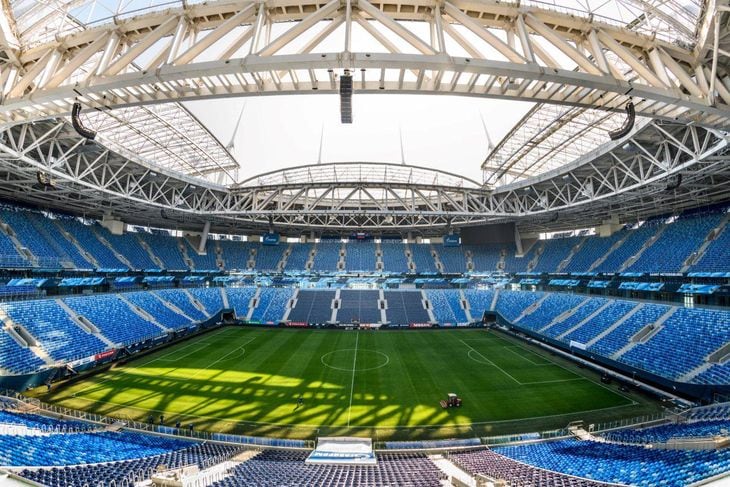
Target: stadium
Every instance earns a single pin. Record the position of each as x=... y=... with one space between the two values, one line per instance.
x=244 y=243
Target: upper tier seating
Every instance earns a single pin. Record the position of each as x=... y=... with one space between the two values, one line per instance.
x=151 y=304
x=631 y=246
x=593 y=249
x=269 y=256
x=297 y=260
x=181 y=301
x=9 y=255
x=203 y=262
x=86 y=236
x=272 y=304
x=128 y=245
x=446 y=306
x=484 y=257
x=28 y=235
x=48 y=322
x=360 y=306
x=328 y=254
x=717 y=255
x=64 y=249
x=166 y=248
x=631 y=465
x=512 y=263
x=675 y=244
x=453 y=259
x=394 y=257
x=313 y=307
x=276 y=468
x=421 y=255
x=106 y=312
x=236 y=254
x=555 y=251
x=360 y=256
x=239 y=298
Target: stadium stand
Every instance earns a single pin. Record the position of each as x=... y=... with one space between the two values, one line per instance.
x=394 y=257
x=591 y=251
x=271 y=305
x=479 y=301
x=166 y=249
x=494 y=465
x=553 y=306
x=313 y=307
x=30 y=237
x=152 y=305
x=358 y=306
x=405 y=307
x=675 y=244
x=106 y=312
x=181 y=300
x=239 y=298
x=628 y=465
x=421 y=254
x=327 y=256
x=555 y=251
x=600 y=322
x=511 y=304
x=484 y=257
x=87 y=238
x=202 y=262
x=452 y=259
x=17 y=359
x=131 y=471
x=717 y=254
x=635 y=240
x=64 y=249
x=297 y=260
x=619 y=337
x=666 y=432
x=50 y=324
x=276 y=468
x=360 y=256
x=569 y=322
x=236 y=254
x=446 y=306
x=210 y=298
x=269 y=256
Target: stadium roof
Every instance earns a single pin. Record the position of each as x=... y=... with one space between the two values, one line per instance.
x=136 y=66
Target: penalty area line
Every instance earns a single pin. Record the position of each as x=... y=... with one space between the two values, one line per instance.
x=352 y=381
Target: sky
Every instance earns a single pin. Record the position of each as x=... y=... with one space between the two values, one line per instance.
x=440 y=132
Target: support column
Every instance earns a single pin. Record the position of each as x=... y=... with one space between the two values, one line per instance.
x=204 y=237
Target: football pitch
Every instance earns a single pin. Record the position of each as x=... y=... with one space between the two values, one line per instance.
x=383 y=384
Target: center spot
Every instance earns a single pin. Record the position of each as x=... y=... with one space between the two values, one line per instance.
x=344 y=359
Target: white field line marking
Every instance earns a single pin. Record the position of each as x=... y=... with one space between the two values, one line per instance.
x=130 y=369
x=237 y=349
x=352 y=382
x=509 y=349
x=489 y=362
x=305 y=425
x=633 y=403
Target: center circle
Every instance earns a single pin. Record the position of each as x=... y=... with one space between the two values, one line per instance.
x=345 y=360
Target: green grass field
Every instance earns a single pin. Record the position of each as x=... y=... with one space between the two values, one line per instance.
x=383 y=384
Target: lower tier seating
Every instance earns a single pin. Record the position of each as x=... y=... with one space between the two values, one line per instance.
x=287 y=468
x=621 y=464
